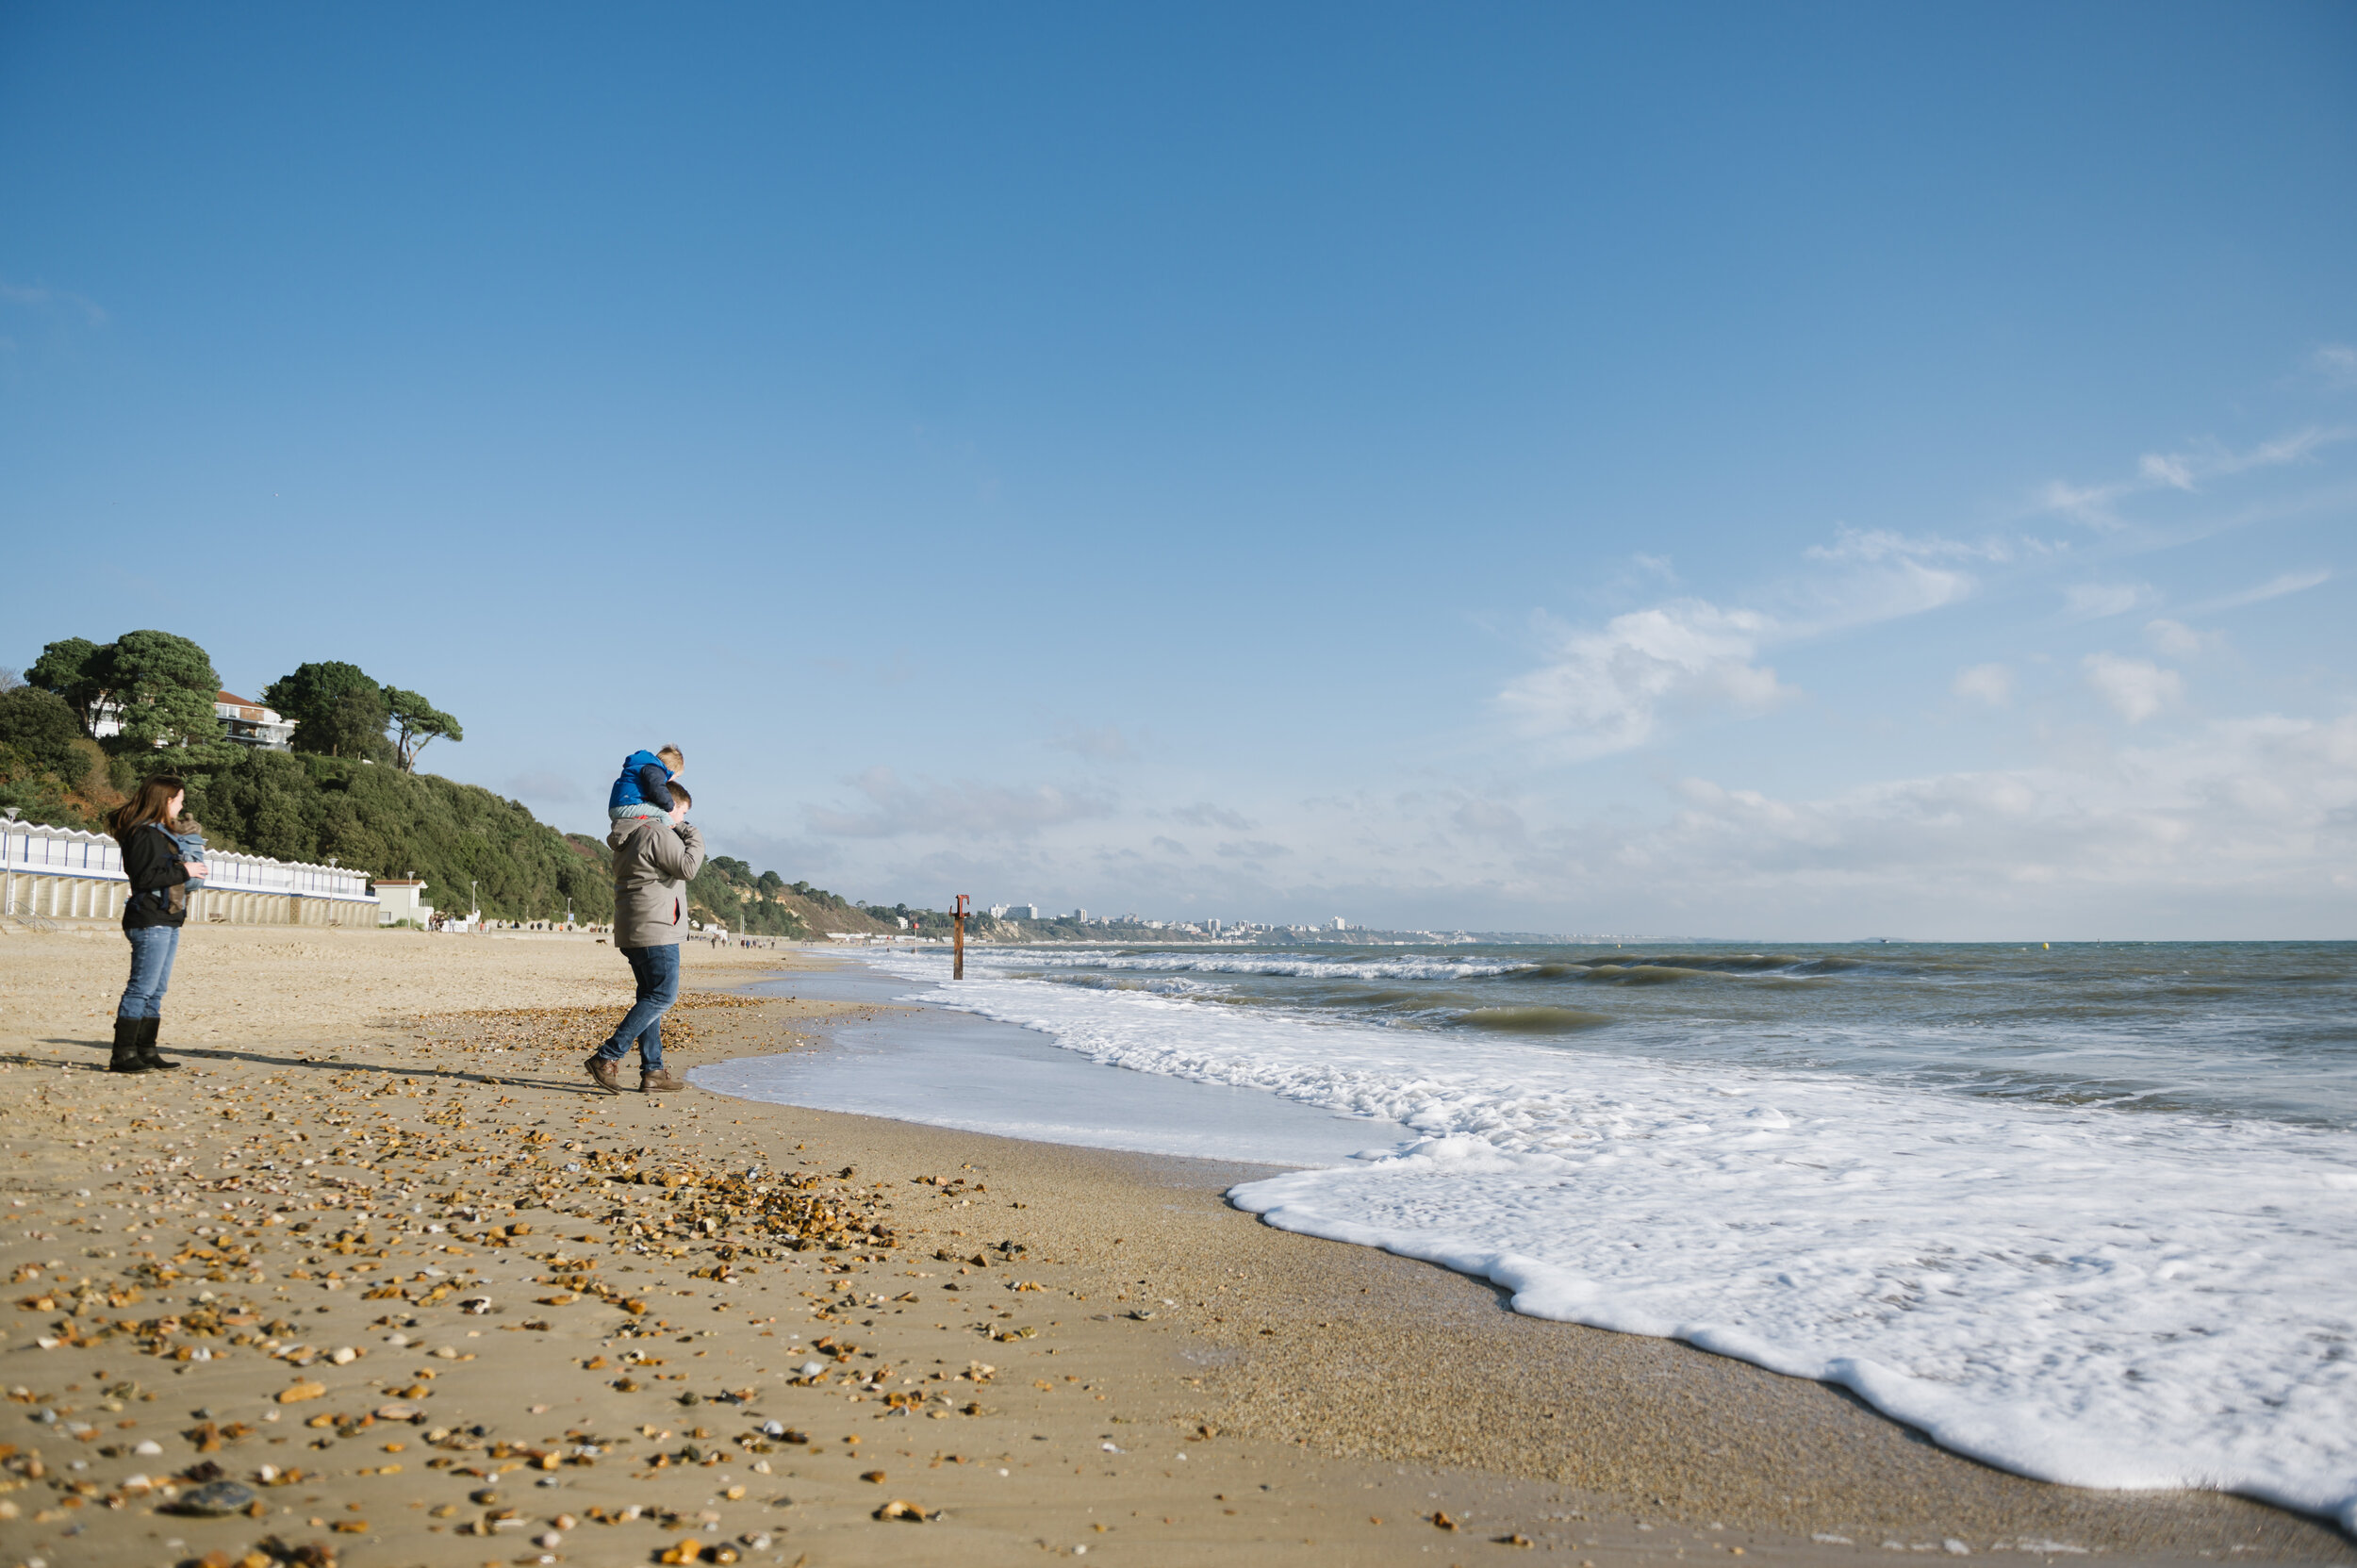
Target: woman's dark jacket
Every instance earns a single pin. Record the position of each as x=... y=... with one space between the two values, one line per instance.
x=159 y=894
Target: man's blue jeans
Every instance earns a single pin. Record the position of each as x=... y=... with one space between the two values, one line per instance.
x=656 y=970
x=152 y=948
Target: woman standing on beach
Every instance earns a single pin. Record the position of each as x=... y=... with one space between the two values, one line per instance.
x=152 y=914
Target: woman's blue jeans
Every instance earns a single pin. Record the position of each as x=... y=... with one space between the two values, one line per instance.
x=656 y=970
x=152 y=948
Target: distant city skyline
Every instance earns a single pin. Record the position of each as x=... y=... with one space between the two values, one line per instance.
x=1799 y=473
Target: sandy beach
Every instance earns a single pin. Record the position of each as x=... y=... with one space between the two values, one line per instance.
x=378 y=1276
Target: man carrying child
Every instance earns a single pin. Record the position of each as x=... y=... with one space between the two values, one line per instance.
x=655 y=852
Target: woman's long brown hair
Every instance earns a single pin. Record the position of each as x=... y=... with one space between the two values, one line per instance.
x=149 y=804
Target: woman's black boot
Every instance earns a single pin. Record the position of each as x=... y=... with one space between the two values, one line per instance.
x=149 y=1058
x=128 y=1033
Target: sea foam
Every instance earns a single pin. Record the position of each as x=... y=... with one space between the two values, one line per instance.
x=2077 y=1294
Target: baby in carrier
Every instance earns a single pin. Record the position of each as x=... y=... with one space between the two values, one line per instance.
x=645 y=787
x=190 y=834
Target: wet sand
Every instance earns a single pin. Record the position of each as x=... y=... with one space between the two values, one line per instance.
x=577 y=1323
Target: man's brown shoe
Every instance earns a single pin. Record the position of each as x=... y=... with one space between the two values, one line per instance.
x=604 y=1074
x=659 y=1081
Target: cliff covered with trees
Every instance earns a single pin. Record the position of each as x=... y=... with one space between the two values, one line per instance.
x=90 y=721
x=302 y=806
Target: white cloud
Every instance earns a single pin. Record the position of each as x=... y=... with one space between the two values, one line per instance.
x=2087 y=503
x=1888 y=575
x=2299 y=444
x=1205 y=815
x=2223 y=828
x=795 y=858
x=2094 y=600
x=2244 y=827
x=1611 y=689
x=2179 y=641
x=2097 y=505
x=1881 y=544
x=1604 y=691
x=1491 y=820
x=2274 y=587
x=1985 y=683
x=544 y=785
x=1098 y=743
x=36 y=298
x=1882 y=576
x=2338 y=363
x=897 y=809
x=2135 y=688
x=1902 y=587
x=2263 y=807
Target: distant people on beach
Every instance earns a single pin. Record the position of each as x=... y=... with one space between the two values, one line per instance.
x=158 y=869
x=655 y=856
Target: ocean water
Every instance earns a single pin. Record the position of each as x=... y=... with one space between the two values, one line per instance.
x=956 y=1070
x=2086 y=1213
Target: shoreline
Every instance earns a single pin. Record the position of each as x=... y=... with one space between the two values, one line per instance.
x=1342 y=1385
x=1827 y=1448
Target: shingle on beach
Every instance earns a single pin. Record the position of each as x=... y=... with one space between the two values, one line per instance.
x=378 y=1275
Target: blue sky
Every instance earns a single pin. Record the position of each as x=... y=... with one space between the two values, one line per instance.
x=1814 y=472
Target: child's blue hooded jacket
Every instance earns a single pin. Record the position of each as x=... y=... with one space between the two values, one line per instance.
x=645 y=782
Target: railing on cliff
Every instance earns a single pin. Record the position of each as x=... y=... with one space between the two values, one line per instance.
x=29 y=849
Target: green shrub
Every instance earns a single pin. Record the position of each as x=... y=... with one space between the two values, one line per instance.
x=295 y=807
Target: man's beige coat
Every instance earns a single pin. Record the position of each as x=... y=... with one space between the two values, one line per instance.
x=653 y=861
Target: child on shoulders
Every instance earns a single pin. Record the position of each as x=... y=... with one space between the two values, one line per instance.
x=644 y=788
